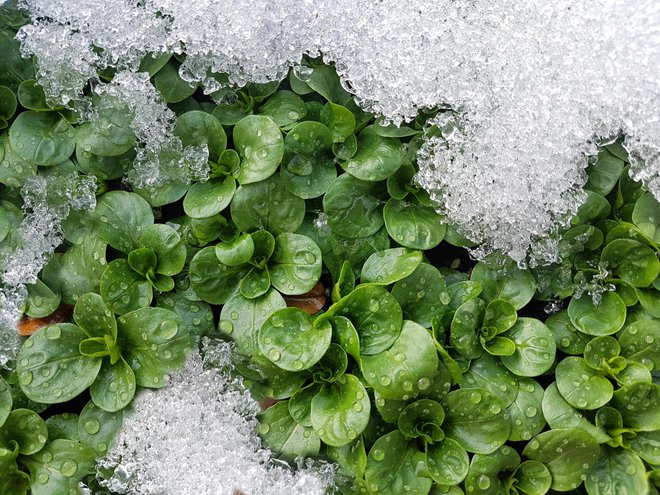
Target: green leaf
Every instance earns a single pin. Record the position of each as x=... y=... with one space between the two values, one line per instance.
x=156 y=343
x=345 y=334
x=13 y=481
x=476 y=419
x=27 y=429
x=647 y=446
x=292 y=341
x=14 y=69
x=533 y=478
x=295 y=265
x=340 y=411
x=168 y=246
x=465 y=325
x=404 y=369
x=447 y=462
x=41 y=138
x=535 y=348
x=300 y=404
x=560 y=414
x=142 y=260
x=60 y=466
x=284 y=108
x=389 y=266
x=422 y=295
x=596 y=207
x=504 y=280
x=198 y=128
x=259 y=143
x=377 y=157
x=5 y=400
x=196 y=315
x=351 y=458
x=7 y=106
x=205 y=199
x=63 y=425
x=605 y=318
x=616 y=471
x=284 y=436
x=353 y=207
x=413 y=225
x=309 y=139
x=640 y=342
x=255 y=283
x=120 y=218
x=237 y=251
x=347 y=149
x=267 y=205
x=392 y=465
x=325 y=81
x=41 y=301
x=489 y=373
x=51 y=369
x=31 y=96
x=632 y=261
x=212 y=281
x=485 y=471
x=94 y=317
x=97 y=428
x=582 y=386
x=376 y=315
x=646 y=216
x=567 y=453
x=169 y=84
x=604 y=174
x=123 y=289
x=114 y=387
x=599 y=351
x=422 y=419
x=525 y=413
x=307 y=177
x=567 y=337
x=639 y=405
x=340 y=120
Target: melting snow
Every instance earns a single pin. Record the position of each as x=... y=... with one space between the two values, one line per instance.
x=198 y=436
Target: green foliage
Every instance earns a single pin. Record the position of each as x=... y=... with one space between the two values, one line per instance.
x=413 y=377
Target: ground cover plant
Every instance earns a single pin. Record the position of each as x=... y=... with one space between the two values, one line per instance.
x=357 y=317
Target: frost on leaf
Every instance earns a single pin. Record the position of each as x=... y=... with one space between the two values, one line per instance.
x=535 y=85
x=198 y=436
x=47 y=201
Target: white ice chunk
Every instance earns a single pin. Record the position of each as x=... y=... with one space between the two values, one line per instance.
x=47 y=201
x=198 y=436
x=534 y=85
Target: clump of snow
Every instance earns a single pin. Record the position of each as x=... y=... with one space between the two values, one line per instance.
x=198 y=436
x=533 y=86
x=161 y=157
x=47 y=201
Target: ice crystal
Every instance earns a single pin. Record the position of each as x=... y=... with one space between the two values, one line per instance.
x=533 y=85
x=161 y=158
x=47 y=201
x=198 y=436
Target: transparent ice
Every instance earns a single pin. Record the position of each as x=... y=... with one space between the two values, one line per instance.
x=47 y=201
x=198 y=436
x=533 y=86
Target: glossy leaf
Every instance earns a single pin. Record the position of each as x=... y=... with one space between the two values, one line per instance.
x=406 y=368
x=340 y=411
x=267 y=205
x=40 y=360
x=605 y=318
x=259 y=143
x=292 y=341
x=567 y=453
